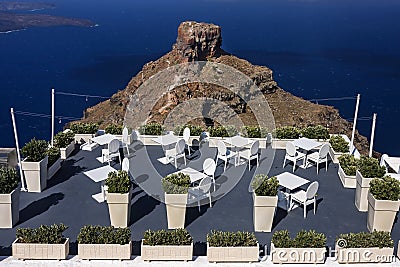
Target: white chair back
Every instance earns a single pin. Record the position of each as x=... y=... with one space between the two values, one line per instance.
x=383 y=158
x=113 y=146
x=205 y=184
x=209 y=167
x=323 y=151
x=125 y=165
x=290 y=149
x=125 y=135
x=180 y=147
x=254 y=148
x=186 y=134
x=221 y=148
x=135 y=135
x=312 y=190
x=268 y=139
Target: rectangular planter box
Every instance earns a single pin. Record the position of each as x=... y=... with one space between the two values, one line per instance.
x=232 y=254
x=176 y=210
x=362 y=189
x=119 y=208
x=40 y=251
x=170 y=253
x=347 y=180
x=35 y=174
x=280 y=143
x=297 y=255
x=364 y=255
x=105 y=251
x=335 y=155
x=147 y=140
x=381 y=213
x=66 y=151
x=263 y=212
x=83 y=138
x=54 y=169
x=9 y=208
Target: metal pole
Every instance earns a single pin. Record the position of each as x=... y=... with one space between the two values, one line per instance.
x=371 y=145
x=354 y=124
x=52 y=117
x=18 y=154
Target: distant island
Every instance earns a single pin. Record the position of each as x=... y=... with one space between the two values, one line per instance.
x=10 y=21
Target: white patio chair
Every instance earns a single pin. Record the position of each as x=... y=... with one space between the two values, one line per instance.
x=209 y=168
x=293 y=155
x=320 y=156
x=186 y=136
x=111 y=151
x=201 y=191
x=305 y=197
x=268 y=140
x=177 y=152
x=250 y=154
x=125 y=165
x=125 y=139
x=223 y=153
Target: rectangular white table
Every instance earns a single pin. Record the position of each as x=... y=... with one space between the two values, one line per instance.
x=290 y=181
x=307 y=145
x=394 y=163
x=194 y=174
x=98 y=175
x=103 y=139
x=238 y=142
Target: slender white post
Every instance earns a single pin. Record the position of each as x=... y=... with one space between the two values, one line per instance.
x=52 y=117
x=18 y=154
x=354 y=124
x=371 y=145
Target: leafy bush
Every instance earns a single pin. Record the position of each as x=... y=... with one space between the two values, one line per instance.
x=194 y=129
x=177 y=183
x=84 y=128
x=287 y=132
x=63 y=139
x=370 y=168
x=54 y=154
x=35 y=150
x=176 y=237
x=303 y=239
x=263 y=186
x=223 y=131
x=231 y=239
x=379 y=239
x=151 y=129
x=386 y=188
x=349 y=164
x=114 y=129
x=43 y=235
x=96 y=234
x=315 y=132
x=118 y=182
x=9 y=180
x=254 y=132
x=339 y=144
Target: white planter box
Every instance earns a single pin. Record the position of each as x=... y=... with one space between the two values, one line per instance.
x=9 y=208
x=176 y=210
x=297 y=255
x=381 y=213
x=232 y=254
x=280 y=143
x=335 y=155
x=119 y=208
x=364 y=255
x=40 y=251
x=170 y=253
x=362 y=189
x=263 y=212
x=147 y=140
x=66 y=151
x=105 y=251
x=35 y=174
x=83 y=138
x=347 y=180
x=53 y=169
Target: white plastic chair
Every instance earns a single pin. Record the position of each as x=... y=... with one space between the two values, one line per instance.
x=201 y=191
x=209 y=168
x=177 y=152
x=186 y=136
x=305 y=197
x=223 y=153
x=111 y=152
x=320 y=157
x=293 y=155
x=125 y=139
x=125 y=165
x=252 y=153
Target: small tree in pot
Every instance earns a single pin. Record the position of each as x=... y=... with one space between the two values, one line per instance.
x=339 y=146
x=84 y=131
x=9 y=197
x=348 y=165
x=54 y=161
x=65 y=142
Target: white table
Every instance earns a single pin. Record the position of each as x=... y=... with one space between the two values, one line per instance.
x=98 y=175
x=290 y=181
x=394 y=163
x=165 y=141
x=238 y=143
x=194 y=174
x=103 y=139
x=307 y=145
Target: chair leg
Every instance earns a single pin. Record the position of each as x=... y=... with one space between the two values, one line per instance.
x=249 y=163
x=294 y=165
x=326 y=165
x=305 y=208
x=317 y=167
x=176 y=165
x=184 y=158
x=225 y=164
x=213 y=182
x=198 y=204
x=315 y=205
x=127 y=149
x=209 y=197
x=284 y=162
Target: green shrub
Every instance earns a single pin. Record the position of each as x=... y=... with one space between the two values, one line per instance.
x=370 y=168
x=315 y=132
x=231 y=239
x=339 y=144
x=303 y=239
x=63 y=139
x=96 y=234
x=176 y=237
x=9 y=180
x=379 y=239
x=43 y=235
x=281 y=239
x=118 y=182
x=287 y=132
x=151 y=129
x=223 y=131
x=176 y=183
x=386 y=188
x=54 y=154
x=84 y=128
x=194 y=130
x=263 y=186
x=349 y=164
x=114 y=129
x=35 y=150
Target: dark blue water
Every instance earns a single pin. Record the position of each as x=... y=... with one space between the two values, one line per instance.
x=317 y=49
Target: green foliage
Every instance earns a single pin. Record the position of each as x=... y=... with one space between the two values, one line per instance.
x=176 y=237
x=177 y=183
x=35 y=150
x=223 y=131
x=287 y=132
x=303 y=239
x=386 y=188
x=339 y=144
x=118 y=182
x=96 y=234
x=315 y=132
x=54 y=154
x=194 y=129
x=9 y=180
x=63 y=139
x=263 y=186
x=349 y=164
x=84 y=128
x=151 y=129
x=370 y=168
x=231 y=239
x=114 y=129
x=254 y=132
x=379 y=239
x=43 y=235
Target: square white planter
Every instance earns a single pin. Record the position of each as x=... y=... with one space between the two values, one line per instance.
x=232 y=254
x=9 y=208
x=170 y=253
x=176 y=210
x=297 y=255
x=53 y=169
x=83 y=138
x=362 y=189
x=335 y=155
x=35 y=174
x=34 y=251
x=347 y=180
x=66 y=151
x=119 y=208
x=381 y=213
x=105 y=251
x=364 y=255
x=263 y=212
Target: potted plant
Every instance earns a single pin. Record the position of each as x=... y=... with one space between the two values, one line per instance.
x=119 y=196
x=45 y=243
x=54 y=161
x=175 y=245
x=34 y=165
x=318 y=132
x=348 y=165
x=265 y=199
x=195 y=130
x=65 y=141
x=368 y=169
x=84 y=131
x=339 y=146
x=114 y=129
x=306 y=247
x=383 y=203
x=232 y=247
x=97 y=242
x=9 y=197
x=149 y=131
x=255 y=133
x=283 y=135
x=375 y=247
x=176 y=188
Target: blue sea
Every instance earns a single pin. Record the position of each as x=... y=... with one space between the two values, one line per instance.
x=316 y=48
